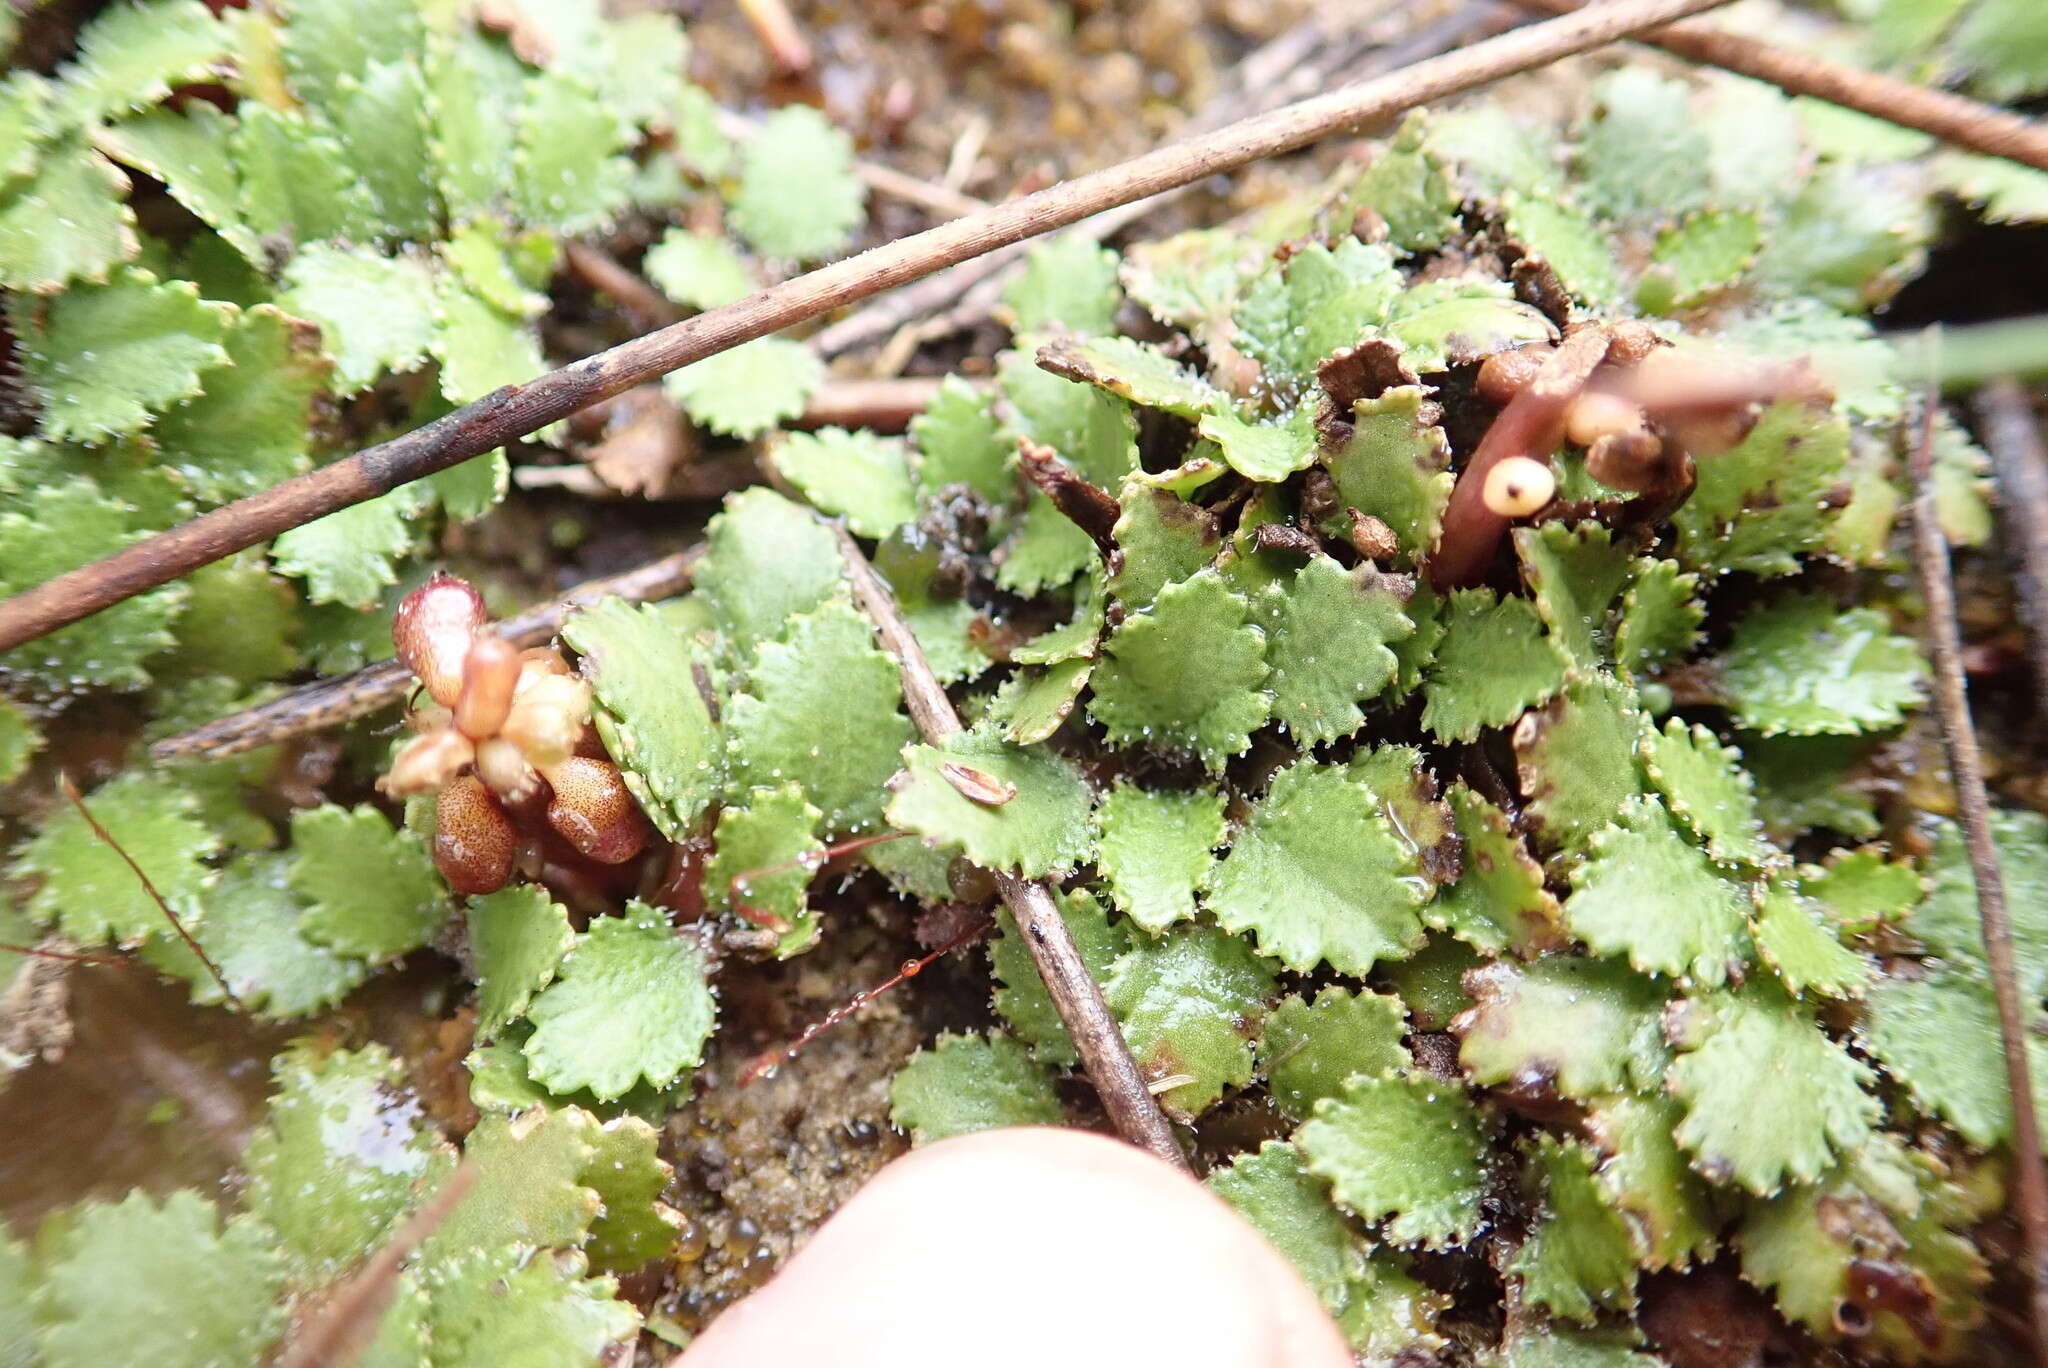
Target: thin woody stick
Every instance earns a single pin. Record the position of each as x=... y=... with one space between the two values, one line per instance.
x=1959 y=739
x=512 y=412
x=1967 y=123
x=2019 y=460
x=1131 y=1106
x=343 y=698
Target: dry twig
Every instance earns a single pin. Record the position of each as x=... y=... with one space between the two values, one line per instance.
x=1967 y=123
x=1959 y=739
x=1130 y=1104
x=344 y=1321
x=343 y=698
x=514 y=411
x=2019 y=462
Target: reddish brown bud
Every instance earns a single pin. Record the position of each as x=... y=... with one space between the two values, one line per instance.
x=1628 y=461
x=426 y=763
x=432 y=631
x=595 y=812
x=1630 y=340
x=473 y=839
x=490 y=674
x=1506 y=374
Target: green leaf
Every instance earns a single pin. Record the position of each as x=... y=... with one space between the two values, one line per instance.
x=1137 y=371
x=1814 y=1247
x=373 y=919
x=823 y=707
x=474 y=87
x=766 y=560
x=1451 y=321
x=1531 y=1346
x=1034 y=704
x=630 y=1002
x=767 y=850
x=1319 y=874
x=89 y=891
x=698 y=270
x=1940 y=1037
x=1499 y=900
x=1706 y=787
x=1760 y=504
x=503 y=1306
x=385 y=112
x=1270 y=1188
x=798 y=195
x=1660 y=618
x=748 y=389
x=133 y=55
x=1669 y=1208
x=1309 y=1051
x=1574 y=245
x=1320 y=300
x=1408 y=187
x=251 y=930
x=1020 y=995
x=20 y=739
x=55 y=527
x=1794 y=941
x=1266 y=451
x=628 y=1174
x=518 y=936
x=567 y=175
x=1067 y=282
x=1493 y=662
x=1078 y=638
x=1575 y=574
x=1185 y=674
x=1804 y=782
x=165 y=1283
x=968 y=1083
x=960 y=441
x=1158 y=847
x=1580 y=1026
x=1849 y=239
x=342 y=1159
x=247 y=429
x=81 y=189
x=1161 y=539
x=1949 y=924
x=480 y=346
x=1410 y=1147
x=1644 y=891
x=1641 y=147
x=346 y=557
x=855 y=475
x=1395 y=467
x=1800 y=666
x=1043 y=828
x=1578 y=1257
x=1189 y=1004
x=327 y=45
x=651 y=714
x=1327 y=636
x=297 y=184
x=1706 y=253
x=948 y=627
x=105 y=357
x=376 y=313
x=17 y=1308
x=1190 y=279
x=1577 y=757
x=1861 y=890
x=1759 y=1127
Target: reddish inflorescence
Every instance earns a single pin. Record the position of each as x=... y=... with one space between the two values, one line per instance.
x=507 y=743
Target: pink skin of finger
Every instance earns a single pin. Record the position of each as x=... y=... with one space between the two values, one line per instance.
x=1030 y=1246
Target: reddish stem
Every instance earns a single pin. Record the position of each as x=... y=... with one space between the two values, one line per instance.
x=771 y=1060
x=813 y=860
x=1532 y=425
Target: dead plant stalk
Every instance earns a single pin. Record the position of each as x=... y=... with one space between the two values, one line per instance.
x=1959 y=739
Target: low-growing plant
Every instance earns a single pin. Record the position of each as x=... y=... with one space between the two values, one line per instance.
x=1441 y=635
